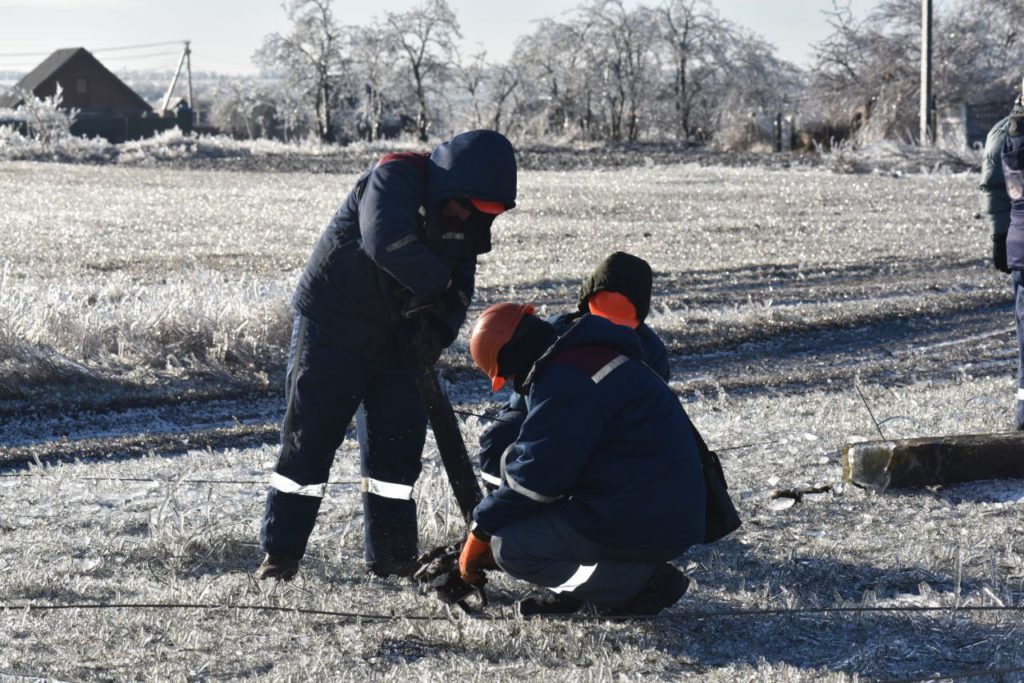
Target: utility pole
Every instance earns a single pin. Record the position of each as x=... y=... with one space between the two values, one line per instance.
x=186 y=58
x=188 y=67
x=927 y=129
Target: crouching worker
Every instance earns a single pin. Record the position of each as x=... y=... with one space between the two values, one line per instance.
x=603 y=486
x=619 y=289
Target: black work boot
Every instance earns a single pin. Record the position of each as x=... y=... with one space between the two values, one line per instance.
x=277 y=567
x=548 y=604
x=666 y=585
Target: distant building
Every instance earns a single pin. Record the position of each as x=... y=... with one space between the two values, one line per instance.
x=968 y=123
x=88 y=85
x=106 y=106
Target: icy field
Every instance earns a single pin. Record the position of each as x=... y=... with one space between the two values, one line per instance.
x=143 y=318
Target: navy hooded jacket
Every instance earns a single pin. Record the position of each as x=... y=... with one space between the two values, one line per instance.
x=381 y=249
x=500 y=434
x=607 y=446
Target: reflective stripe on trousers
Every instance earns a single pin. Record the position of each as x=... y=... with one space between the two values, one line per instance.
x=385 y=489
x=577 y=579
x=286 y=485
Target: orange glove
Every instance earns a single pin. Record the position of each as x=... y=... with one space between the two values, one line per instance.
x=476 y=555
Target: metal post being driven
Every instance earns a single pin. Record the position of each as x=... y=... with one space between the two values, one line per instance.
x=450 y=445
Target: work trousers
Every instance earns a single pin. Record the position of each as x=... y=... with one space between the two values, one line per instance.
x=1018 y=296
x=327 y=384
x=545 y=550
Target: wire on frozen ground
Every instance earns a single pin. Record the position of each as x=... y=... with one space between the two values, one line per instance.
x=28 y=608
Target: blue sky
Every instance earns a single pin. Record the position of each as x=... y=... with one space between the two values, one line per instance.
x=225 y=33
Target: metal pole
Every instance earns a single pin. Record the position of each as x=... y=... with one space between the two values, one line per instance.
x=926 y=72
x=188 y=67
x=174 y=81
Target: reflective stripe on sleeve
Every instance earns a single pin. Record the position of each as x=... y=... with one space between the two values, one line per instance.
x=581 y=576
x=1020 y=394
x=523 y=491
x=608 y=369
x=286 y=485
x=398 y=244
x=504 y=459
x=491 y=479
x=385 y=489
x=515 y=485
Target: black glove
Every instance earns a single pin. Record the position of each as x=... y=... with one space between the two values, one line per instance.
x=999 y=253
x=430 y=339
x=452 y=299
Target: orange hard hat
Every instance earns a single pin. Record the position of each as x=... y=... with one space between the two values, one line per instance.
x=615 y=307
x=488 y=207
x=493 y=329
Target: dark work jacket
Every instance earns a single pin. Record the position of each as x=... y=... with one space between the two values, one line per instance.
x=995 y=204
x=607 y=446
x=500 y=434
x=1013 y=174
x=378 y=252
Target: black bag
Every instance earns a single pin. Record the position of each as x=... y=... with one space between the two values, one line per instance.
x=721 y=518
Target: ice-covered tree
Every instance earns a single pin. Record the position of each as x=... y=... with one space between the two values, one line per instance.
x=311 y=59
x=373 y=62
x=46 y=118
x=620 y=50
x=424 y=38
x=868 y=68
x=488 y=89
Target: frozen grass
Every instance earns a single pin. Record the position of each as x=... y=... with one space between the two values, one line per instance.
x=168 y=146
x=67 y=539
x=776 y=291
x=127 y=274
x=899 y=158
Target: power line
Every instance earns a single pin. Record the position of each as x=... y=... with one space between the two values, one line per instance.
x=100 y=49
x=128 y=58
x=138 y=47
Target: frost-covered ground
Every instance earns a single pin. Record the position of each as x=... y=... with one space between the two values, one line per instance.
x=143 y=318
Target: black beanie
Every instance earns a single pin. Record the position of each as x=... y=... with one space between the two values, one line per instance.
x=626 y=274
x=531 y=339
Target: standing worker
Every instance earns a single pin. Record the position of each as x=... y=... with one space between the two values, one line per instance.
x=385 y=291
x=1009 y=256
x=619 y=289
x=604 y=485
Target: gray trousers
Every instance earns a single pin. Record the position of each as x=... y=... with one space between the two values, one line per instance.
x=544 y=550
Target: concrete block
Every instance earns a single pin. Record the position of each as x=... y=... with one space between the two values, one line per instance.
x=929 y=461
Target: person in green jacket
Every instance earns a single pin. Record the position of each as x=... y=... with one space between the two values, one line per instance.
x=995 y=202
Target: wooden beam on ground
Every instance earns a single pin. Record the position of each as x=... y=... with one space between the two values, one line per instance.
x=880 y=465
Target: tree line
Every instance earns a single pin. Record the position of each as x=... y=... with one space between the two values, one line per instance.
x=673 y=71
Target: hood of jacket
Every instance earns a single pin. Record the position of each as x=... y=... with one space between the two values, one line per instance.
x=623 y=273
x=480 y=164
